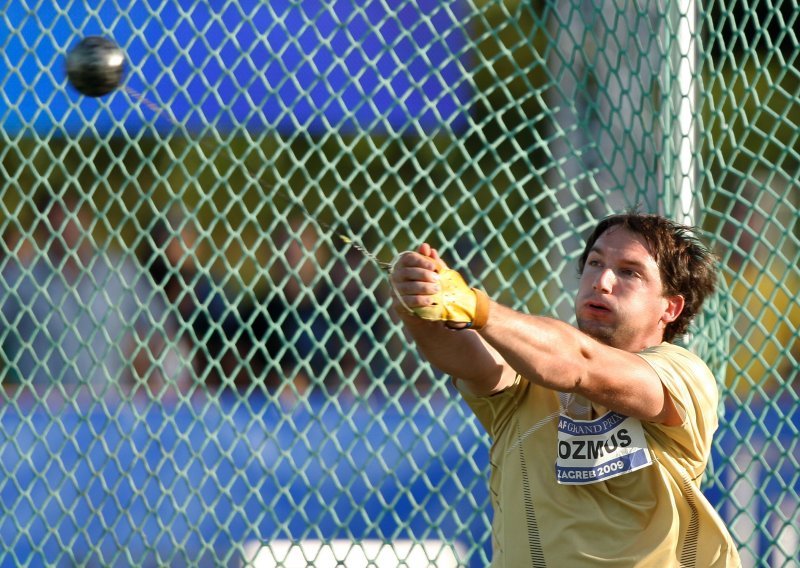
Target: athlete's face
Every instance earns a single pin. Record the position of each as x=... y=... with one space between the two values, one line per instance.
x=620 y=298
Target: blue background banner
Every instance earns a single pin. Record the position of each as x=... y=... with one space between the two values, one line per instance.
x=291 y=66
x=155 y=479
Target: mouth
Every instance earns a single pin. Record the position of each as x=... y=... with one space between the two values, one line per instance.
x=597 y=307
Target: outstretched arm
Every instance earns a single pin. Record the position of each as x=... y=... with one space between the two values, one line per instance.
x=558 y=356
x=462 y=354
x=546 y=351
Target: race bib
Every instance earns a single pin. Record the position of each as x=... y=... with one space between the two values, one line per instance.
x=596 y=450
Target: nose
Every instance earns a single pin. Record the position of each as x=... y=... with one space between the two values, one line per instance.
x=604 y=282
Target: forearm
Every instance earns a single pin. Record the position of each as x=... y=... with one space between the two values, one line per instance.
x=544 y=350
x=460 y=354
x=503 y=343
x=558 y=356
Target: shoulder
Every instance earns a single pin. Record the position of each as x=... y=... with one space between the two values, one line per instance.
x=693 y=389
x=671 y=359
x=674 y=353
x=675 y=356
x=684 y=374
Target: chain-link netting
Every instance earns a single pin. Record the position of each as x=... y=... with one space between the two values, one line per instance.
x=198 y=369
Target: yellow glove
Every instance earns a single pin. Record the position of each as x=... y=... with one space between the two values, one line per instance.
x=456 y=303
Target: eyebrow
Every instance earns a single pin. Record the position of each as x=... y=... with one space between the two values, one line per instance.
x=628 y=262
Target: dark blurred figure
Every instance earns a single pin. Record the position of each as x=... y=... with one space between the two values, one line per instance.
x=322 y=323
x=291 y=331
x=199 y=304
x=369 y=353
x=76 y=317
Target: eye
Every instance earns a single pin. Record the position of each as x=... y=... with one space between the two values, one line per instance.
x=629 y=272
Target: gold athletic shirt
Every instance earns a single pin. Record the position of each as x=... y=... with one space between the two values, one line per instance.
x=652 y=517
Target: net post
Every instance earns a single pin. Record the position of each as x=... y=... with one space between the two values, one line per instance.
x=686 y=95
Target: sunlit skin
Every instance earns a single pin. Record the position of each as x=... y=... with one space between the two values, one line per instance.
x=621 y=308
x=620 y=299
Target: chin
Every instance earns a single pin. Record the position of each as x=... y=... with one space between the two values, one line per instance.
x=608 y=335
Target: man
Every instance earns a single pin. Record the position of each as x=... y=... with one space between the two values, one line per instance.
x=601 y=434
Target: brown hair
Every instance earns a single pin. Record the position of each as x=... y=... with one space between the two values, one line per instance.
x=686 y=266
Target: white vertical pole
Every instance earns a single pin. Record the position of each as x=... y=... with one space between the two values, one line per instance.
x=686 y=106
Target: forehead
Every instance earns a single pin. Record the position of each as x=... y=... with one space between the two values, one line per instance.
x=624 y=244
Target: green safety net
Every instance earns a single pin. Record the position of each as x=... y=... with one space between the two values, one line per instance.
x=200 y=362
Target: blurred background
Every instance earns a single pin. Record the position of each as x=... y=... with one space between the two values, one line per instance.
x=198 y=370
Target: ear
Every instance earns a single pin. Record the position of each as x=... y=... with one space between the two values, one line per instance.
x=673 y=308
